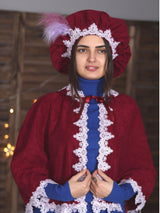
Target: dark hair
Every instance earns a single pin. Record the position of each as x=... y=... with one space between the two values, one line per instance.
x=73 y=76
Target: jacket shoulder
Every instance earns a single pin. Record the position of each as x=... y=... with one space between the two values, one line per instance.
x=124 y=100
x=125 y=106
x=52 y=97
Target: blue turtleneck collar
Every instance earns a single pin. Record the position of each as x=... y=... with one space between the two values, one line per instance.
x=91 y=87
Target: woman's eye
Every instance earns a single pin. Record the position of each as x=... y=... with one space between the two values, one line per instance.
x=103 y=51
x=81 y=50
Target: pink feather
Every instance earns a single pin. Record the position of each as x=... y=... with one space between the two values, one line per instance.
x=54 y=26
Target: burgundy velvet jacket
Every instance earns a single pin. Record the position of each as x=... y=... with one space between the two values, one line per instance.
x=52 y=143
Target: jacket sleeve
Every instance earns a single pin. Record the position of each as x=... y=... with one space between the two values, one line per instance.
x=30 y=161
x=59 y=192
x=120 y=193
x=136 y=165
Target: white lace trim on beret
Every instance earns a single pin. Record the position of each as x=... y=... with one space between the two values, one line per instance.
x=92 y=30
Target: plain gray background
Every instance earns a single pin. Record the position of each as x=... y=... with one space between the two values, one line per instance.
x=125 y=9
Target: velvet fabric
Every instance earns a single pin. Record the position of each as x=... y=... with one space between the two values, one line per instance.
x=45 y=146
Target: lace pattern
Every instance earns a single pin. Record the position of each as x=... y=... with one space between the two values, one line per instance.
x=99 y=204
x=104 y=149
x=68 y=88
x=140 y=198
x=92 y=30
x=81 y=94
x=40 y=200
x=114 y=93
x=81 y=152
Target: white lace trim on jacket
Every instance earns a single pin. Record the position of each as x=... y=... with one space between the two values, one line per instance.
x=40 y=200
x=99 y=204
x=104 y=149
x=105 y=136
x=140 y=198
x=81 y=136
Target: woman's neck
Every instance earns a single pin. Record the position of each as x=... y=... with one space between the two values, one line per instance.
x=91 y=87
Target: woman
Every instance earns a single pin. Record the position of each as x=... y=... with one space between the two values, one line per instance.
x=84 y=148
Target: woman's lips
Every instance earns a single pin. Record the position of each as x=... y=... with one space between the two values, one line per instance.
x=91 y=68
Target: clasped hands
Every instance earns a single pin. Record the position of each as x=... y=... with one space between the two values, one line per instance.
x=100 y=187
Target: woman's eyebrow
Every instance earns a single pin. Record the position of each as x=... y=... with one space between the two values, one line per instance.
x=85 y=46
x=100 y=46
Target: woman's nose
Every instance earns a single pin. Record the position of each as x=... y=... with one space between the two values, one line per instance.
x=91 y=56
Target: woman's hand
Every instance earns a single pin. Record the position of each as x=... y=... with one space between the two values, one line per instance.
x=101 y=188
x=80 y=183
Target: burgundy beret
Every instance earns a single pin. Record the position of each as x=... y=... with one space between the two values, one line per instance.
x=63 y=32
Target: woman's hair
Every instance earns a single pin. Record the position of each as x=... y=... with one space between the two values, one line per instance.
x=73 y=75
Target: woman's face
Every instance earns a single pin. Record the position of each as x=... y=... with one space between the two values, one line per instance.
x=91 y=56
